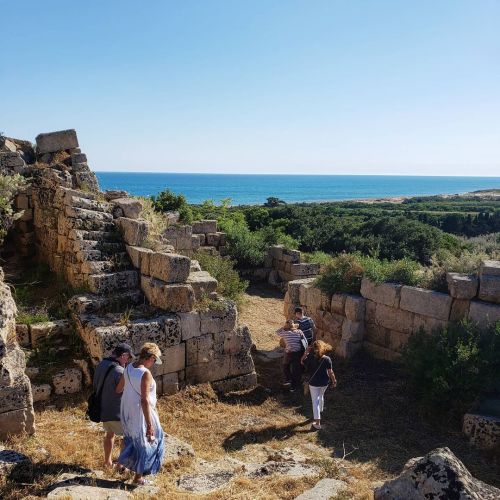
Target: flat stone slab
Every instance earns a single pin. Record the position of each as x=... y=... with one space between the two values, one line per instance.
x=56 y=141
x=324 y=490
x=426 y=302
x=204 y=483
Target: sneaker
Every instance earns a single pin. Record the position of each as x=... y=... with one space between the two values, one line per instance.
x=287 y=384
x=292 y=390
x=316 y=427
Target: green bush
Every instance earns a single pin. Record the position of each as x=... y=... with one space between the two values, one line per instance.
x=168 y=201
x=245 y=247
x=403 y=271
x=450 y=369
x=321 y=258
x=343 y=274
x=9 y=186
x=230 y=285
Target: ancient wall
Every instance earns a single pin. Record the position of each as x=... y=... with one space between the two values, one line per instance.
x=384 y=316
x=16 y=402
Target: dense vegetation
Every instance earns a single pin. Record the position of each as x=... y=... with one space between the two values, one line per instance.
x=9 y=186
x=453 y=368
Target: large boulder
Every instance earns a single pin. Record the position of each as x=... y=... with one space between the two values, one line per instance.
x=440 y=475
x=56 y=141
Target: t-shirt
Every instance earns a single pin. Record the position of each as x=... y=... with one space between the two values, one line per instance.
x=110 y=402
x=292 y=340
x=321 y=367
x=306 y=324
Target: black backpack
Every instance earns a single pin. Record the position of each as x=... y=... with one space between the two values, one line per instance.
x=94 y=401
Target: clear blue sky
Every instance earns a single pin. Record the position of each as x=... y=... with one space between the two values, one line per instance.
x=259 y=86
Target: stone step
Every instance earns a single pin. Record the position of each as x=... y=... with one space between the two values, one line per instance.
x=98 y=266
x=89 y=224
x=85 y=214
x=118 y=302
x=93 y=255
x=107 y=283
x=79 y=234
x=202 y=282
x=104 y=246
x=85 y=203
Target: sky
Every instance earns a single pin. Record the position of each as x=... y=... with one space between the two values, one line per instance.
x=259 y=86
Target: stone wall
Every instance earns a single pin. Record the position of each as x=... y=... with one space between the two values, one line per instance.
x=384 y=316
x=16 y=402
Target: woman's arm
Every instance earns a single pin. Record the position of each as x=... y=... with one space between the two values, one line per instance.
x=332 y=377
x=120 y=385
x=146 y=382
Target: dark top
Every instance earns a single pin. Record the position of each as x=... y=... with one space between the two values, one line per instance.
x=317 y=369
x=307 y=325
x=110 y=402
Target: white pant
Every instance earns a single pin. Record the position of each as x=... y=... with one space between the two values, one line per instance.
x=318 y=401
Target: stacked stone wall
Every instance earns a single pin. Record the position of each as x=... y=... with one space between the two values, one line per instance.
x=384 y=316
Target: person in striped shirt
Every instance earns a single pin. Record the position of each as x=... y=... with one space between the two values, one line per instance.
x=306 y=324
x=292 y=367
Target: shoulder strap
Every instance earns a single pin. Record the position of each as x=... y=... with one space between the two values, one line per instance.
x=130 y=382
x=319 y=366
x=108 y=371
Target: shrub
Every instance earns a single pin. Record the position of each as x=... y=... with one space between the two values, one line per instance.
x=230 y=285
x=168 y=201
x=343 y=274
x=321 y=258
x=246 y=248
x=450 y=369
x=403 y=271
x=9 y=186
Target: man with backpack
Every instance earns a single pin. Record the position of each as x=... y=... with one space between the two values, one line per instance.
x=106 y=377
x=306 y=324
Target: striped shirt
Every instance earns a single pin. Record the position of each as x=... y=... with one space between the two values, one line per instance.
x=292 y=339
x=307 y=325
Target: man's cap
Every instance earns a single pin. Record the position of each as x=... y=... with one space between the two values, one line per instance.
x=123 y=348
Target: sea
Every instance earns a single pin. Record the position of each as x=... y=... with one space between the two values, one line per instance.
x=248 y=189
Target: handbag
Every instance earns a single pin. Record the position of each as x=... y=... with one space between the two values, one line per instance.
x=94 y=402
x=306 y=382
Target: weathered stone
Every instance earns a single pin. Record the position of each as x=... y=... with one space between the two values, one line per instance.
x=41 y=392
x=462 y=286
x=276 y=251
x=16 y=395
x=377 y=334
x=324 y=489
x=108 y=283
x=304 y=269
x=17 y=422
x=354 y=308
x=203 y=284
x=171 y=297
x=222 y=319
x=489 y=288
x=201 y=349
x=440 y=474
x=213 y=239
x=130 y=207
x=163 y=330
x=380 y=352
x=205 y=226
x=483 y=430
x=347 y=349
x=23 y=335
x=47 y=329
x=394 y=319
x=135 y=231
x=241 y=383
x=484 y=314
x=173 y=360
x=190 y=324
x=56 y=141
x=219 y=369
x=459 y=309
x=67 y=381
x=101 y=340
x=384 y=293
x=490 y=268
x=332 y=323
x=427 y=324
x=353 y=331
x=169 y=267
x=426 y=302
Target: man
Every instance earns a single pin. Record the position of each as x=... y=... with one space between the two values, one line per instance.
x=107 y=374
x=306 y=324
x=292 y=367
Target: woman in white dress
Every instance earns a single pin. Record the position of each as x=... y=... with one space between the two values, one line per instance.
x=143 y=436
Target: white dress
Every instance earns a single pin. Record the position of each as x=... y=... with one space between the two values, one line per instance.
x=139 y=455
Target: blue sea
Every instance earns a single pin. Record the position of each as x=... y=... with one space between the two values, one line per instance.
x=254 y=189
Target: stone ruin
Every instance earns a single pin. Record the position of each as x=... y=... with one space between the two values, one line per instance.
x=131 y=293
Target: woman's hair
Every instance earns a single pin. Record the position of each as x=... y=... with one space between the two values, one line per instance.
x=150 y=349
x=320 y=348
x=291 y=324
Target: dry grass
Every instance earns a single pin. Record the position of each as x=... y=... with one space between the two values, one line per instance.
x=371 y=418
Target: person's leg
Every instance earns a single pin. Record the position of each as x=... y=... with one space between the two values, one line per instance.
x=296 y=368
x=322 y=399
x=109 y=439
x=315 y=399
x=287 y=377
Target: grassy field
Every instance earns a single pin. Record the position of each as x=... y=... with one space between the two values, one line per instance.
x=371 y=421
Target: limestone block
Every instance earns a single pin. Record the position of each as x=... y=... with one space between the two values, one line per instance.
x=397 y=340
x=173 y=360
x=313 y=299
x=169 y=267
x=239 y=340
x=12 y=365
x=490 y=267
x=337 y=304
x=114 y=194
x=102 y=340
x=49 y=328
x=346 y=349
x=292 y=256
x=23 y=335
x=41 y=392
x=135 y=231
x=17 y=422
x=380 y=352
x=170 y=383
x=219 y=369
x=240 y=383
x=203 y=284
x=484 y=314
x=353 y=331
x=394 y=319
x=171 y=297
x=489 y=288
x=15 y=396
x=370 y=311
x=202 y=238
x=163 y=330
x=222 y=319
x=462 y=286
x=205 y=226
x=276 y=252
x=195 y=266
x=355 y=308
x=213 y=239
x=304 y=269
x=131 y=207
x=332 y=323
x=222 y=239
x=67 y=381
x=384 y=293
x=56 y=141
x=483 y=431
x=426 y=302
x=241 y=363
x=190 y=324
x=324 y=490
x=377 y=334
x=427 y=324
x=195 y=241
x=108 y=283
x=201 y=349
x=459 y=309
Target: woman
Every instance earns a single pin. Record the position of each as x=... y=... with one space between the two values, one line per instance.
x=320 y=368
x=143 y=436
x=291 y=336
